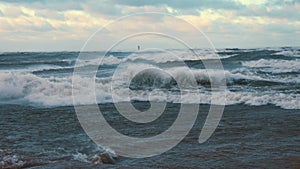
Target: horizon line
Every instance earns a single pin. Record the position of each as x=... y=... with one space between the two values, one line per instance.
x=131 y=50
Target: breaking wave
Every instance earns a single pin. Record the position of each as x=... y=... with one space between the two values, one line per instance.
x=275 y=66
x=28 y=88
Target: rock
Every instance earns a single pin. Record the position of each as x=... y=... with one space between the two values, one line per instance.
x=106 y=158
x=112 y=153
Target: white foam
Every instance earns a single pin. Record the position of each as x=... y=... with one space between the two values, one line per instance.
x=29 y=88
x=284 y=101
x=279 y=99
x=111 y=152
x=43 y=67
x=80 y=157
x=275 y=66
x=155 y=57
x=176 y=55
x=110 y=60
x=11 y=161
x=289 y=53
x=34 y=68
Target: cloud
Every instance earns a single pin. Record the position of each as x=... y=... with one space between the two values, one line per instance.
x=179 y=4
x=282 y=2
x=235 y=22
x=12 y=11
x=5 y=26
x=49 y=14
x=274 y=9
x=55 y=5
x=42 y=27
x=106 y=8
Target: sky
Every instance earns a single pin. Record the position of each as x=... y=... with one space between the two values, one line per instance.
x=56 y=25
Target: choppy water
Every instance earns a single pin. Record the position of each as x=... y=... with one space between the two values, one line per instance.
x=259 y=129
x=253 y=76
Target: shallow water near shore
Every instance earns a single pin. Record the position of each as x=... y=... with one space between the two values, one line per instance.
x=247 y=136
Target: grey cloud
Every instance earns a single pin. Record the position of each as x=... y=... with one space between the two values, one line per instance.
x=49 y=14
x=19 y=1
x=112 y=8
x=43 y=28
x=193 y=7
x=103 y=7
x=13 y=12
x=183 y=4
x=285 y=12
x=282 y=2
x=56 y=5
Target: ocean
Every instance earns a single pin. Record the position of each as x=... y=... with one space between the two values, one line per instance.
x=260 y=127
